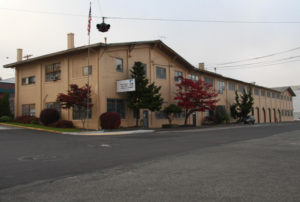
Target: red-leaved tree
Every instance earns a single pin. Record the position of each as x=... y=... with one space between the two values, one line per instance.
x=77 y=98
x=195 y=96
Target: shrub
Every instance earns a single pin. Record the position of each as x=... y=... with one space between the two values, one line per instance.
x=48 y=116
x=221 y=115
x=27 y=119
x=35 y=121
x=110 y=120
x=5 y=119
x=62 y=124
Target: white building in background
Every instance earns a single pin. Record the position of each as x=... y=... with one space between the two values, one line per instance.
x=296 y=102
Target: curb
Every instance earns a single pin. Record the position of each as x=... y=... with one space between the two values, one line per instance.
x=108 y=133
x=31 y=128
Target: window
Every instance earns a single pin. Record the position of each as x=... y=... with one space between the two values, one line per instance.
x=256 y=92
x=160 y=115
x=53 y=105
x=240 y=88
x=268 y=94
x=193 y=77
x=81 y=114
x=119 y=65
x=28 y=80
x=221 y=86
x=87 y=70
x=278 y=96
x=249 y=89
x=161 y=73
x=179 y=115
x=52 y=72
x=273 y=95
x=231 y=86
x=28 y=109
x=116 y=105
x=209 y=81
x=177 y=76
x=262 y=93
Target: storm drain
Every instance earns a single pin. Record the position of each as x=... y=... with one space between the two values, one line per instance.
x=41 y=157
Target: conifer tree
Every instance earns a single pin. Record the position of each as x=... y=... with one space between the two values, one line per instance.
x=243 y=105
x=145 y=96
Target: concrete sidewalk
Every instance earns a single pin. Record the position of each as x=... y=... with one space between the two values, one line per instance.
x=102 y=132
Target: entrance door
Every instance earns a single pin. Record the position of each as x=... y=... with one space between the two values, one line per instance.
x=194 y=119
x=146 y=119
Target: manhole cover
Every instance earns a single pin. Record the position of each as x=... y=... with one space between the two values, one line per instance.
x=38 y=157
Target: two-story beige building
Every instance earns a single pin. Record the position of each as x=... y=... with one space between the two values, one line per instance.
x=39 y=80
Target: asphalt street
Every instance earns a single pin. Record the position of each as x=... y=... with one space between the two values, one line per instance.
x=252 y=163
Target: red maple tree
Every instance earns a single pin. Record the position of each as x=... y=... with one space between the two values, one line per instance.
x=77 y=98
x=195 y=96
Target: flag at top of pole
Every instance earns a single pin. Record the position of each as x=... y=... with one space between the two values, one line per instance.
x=90 y=19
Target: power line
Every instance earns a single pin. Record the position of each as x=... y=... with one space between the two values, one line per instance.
x=256 y=63
x=261 y=66
x=205 y=21
x=155 y=19
x=258 y=58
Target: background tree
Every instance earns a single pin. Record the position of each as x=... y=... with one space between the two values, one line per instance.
x=171 y=110
x=243 y=105
x=77 y=98
x=195 y=96
x=4 y=105
x=145 y=96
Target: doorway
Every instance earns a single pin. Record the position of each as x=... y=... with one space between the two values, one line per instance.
x=145 y=119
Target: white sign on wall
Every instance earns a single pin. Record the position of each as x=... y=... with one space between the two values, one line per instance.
x=125 y=85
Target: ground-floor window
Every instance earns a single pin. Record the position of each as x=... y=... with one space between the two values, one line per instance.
x=53 y=105
x=28 y=109
x=79 y=114
x=116 y=105
x=160 y=115
x=179 y=115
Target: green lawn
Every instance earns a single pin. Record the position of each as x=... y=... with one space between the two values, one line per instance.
x=45 y=127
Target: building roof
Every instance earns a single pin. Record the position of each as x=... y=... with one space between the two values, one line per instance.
x=9 y=80
x=155 y=43
x=284 y=88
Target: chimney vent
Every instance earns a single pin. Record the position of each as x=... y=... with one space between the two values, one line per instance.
x=19 y=54
x=70 y=41
x=201 y=65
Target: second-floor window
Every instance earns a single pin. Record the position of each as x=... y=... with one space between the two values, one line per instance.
x=231 y=86
x=241 y=88
x=53 y=72
x=87 y=70
x=161 y=73
x=177 y=76
x=256 y=91
x=221 y=87
x=119 y=64
x=262 y=92
x=193 y=77
x=28 y=80
x=209 y=81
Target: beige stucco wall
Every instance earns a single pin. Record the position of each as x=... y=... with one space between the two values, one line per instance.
x=104 y=77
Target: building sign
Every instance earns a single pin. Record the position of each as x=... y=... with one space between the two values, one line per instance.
x=125 y=85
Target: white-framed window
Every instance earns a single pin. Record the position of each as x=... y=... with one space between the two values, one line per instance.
x=28 y=80
x=231 y=86
x=209 y=81
x=268 y=94
x=262 y=92
x=161 y=73
x=241 y=88
x=28 y=109
x=52 y=72
x=78 y=115
x=53 y=105
x=119 y=64
x=221 y=86
x=193 y=77
x=177 y=76
x=116 y=105
x=87 y=70
x=256 y=91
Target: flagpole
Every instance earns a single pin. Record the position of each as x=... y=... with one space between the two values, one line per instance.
x=88 y=69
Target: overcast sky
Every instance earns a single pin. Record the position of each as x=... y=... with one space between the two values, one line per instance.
x=33 y=26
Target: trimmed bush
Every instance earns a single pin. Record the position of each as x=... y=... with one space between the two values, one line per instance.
x=62 y=124
x=5 y=119
x=110 y=120
x=48 y=116
x=27 y=119
x=221 y=115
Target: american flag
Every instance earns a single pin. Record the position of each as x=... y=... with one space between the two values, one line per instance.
x=90 y=19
